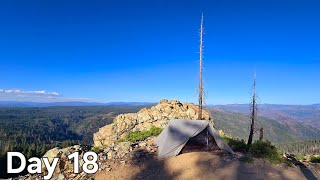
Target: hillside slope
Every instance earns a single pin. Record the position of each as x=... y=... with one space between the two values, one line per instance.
x=237 y=125
x=308 y=114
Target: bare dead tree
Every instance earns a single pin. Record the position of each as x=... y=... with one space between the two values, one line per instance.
x=253 y=111
x=261 y=134
x=200 y=77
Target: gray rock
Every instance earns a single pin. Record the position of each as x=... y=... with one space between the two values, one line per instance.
x=157 y=116
x=60 y=177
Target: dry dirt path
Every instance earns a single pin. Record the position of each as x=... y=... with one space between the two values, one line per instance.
x=202 y=165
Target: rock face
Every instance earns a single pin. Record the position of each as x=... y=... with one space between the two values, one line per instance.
x=124 y=150
x=64 y=164
x=118 y=150
x=157 y=116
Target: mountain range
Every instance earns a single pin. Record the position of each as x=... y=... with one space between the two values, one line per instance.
x=237 y=125
x=306 y=114
x=67 y=103
x=281 y=123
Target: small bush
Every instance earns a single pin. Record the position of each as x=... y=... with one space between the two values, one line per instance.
x=97 y=149
x=287 y=162
x=315 y=159
x=142 y=135
x=259 y=149
x=236 y=144
x=264 y=149
x=300 y=158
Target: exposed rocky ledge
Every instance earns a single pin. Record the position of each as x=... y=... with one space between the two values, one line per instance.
x=114 y=150
x=158 y=116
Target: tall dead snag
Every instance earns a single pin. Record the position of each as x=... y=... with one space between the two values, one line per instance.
x=200 y=77
x=261 y=134
x=253 y=111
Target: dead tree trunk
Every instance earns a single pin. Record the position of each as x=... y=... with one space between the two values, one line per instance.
x=253 y=111
x=200 y=77
x=261 y=134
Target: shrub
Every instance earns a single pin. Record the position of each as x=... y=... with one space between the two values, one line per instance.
x=315 y=159
x=236 y=144
x=300 y=158
x=142 y=135
x=264 y=149
x=287 y=162
x=97 y=149
x=259 y=149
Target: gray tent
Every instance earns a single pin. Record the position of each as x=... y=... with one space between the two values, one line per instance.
x=179 y=132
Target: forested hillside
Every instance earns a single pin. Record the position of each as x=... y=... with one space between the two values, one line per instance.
x=307 y=114
x=57 y=123
x=237 y=125
x=33 y=131
x=309 y=147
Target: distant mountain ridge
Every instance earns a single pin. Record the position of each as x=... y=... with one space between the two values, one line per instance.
x=70 y=103
x=307 y=114
x=237 y=125
x=281 y=122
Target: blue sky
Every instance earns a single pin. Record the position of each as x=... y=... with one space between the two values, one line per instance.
x=148 y=50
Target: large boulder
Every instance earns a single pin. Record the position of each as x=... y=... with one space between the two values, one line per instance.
x=65 y=164
x=158 y=116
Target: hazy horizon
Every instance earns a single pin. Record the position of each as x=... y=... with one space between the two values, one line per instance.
x=60 y=99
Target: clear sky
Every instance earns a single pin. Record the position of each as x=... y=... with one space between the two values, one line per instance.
x=148 y=50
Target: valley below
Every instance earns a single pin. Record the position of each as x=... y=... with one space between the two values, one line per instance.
x=35 y=130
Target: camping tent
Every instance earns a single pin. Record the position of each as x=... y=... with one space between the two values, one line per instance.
x=179 y=132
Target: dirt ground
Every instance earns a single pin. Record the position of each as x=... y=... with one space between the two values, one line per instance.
x=203 y=165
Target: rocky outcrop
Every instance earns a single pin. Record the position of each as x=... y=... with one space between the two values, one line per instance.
x=65 y=164
x=158 y=116
x=109 y=138
x=118 y=150
x=124 y=150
